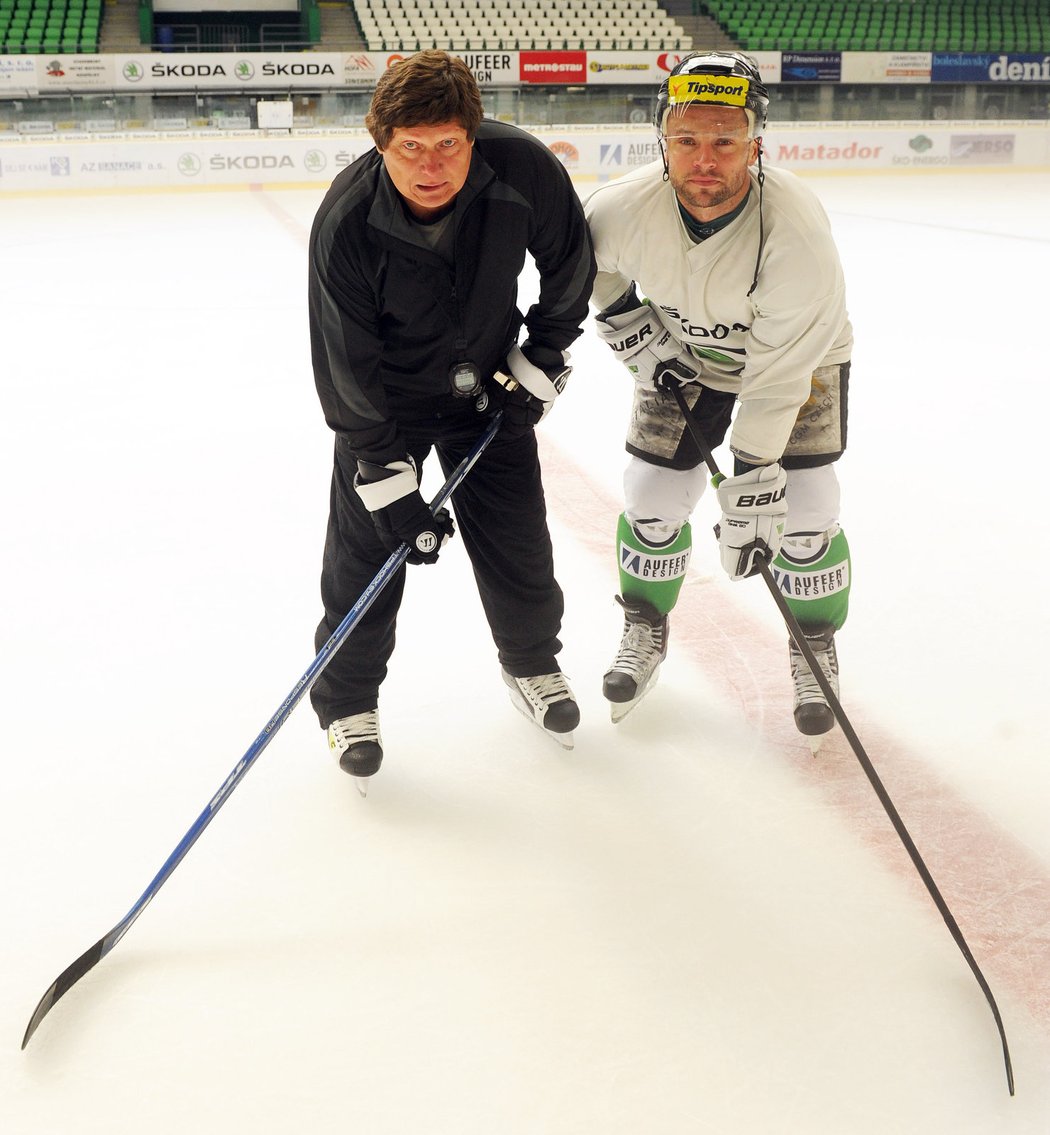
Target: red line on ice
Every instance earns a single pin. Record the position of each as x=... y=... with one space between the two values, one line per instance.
x=998 y=892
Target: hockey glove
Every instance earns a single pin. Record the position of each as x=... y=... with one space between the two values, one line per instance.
x=646 y=348
x=530 y=388
x=401 y=516
x=754 y=509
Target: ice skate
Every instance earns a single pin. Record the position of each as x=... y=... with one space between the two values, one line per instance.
x=357 y=745
x=813 y=715
x=637 y=664
x=547 y=702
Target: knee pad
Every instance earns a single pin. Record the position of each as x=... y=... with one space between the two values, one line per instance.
x=653 y=572
x=813 y=500
x=814 y=573
x=670 y=494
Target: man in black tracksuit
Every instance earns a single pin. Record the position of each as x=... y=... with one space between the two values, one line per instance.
x=414 y=260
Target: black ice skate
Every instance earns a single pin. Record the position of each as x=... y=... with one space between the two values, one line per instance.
x=637 y=664
x=358 y=746
x=813 y=716
x=546 y=701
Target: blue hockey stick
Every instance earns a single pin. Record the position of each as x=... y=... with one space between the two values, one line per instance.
x=90 y=958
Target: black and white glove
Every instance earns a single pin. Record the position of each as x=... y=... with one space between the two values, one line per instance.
x=530 y=388
x=754 y=510
x=401 y=516
x=646 y=348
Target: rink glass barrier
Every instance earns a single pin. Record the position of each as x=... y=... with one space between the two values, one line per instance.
x=212 y=119
x=188 y=158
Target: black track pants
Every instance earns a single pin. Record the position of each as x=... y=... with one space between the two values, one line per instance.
x=501 y=518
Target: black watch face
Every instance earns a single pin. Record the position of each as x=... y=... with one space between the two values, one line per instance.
x=465 y=379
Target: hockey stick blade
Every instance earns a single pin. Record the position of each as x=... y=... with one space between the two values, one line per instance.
x=62 y=984
x=90 y=958
x=859 y=752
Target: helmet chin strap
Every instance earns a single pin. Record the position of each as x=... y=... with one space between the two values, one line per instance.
x=761 y=220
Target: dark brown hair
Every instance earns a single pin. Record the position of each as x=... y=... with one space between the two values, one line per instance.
x=425 y=89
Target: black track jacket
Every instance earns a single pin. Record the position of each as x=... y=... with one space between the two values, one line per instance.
x=389 y=317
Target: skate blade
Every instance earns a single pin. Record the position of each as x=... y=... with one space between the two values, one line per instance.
x=618 y=710
x=361 y=784
x=816 y=741
x=563 y=740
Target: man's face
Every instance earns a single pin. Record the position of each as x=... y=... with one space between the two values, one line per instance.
x=708 y=153
x=428 y=165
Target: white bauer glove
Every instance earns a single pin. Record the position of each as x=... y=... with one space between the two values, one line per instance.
x=646 y=348
x=754 y=510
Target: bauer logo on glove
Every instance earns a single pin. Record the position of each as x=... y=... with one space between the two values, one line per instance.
x=635 y=339
x=754 y=510
x=646 y=348
x=751 y=500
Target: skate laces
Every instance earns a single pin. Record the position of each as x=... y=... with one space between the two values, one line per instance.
x=807 y=688
x=544 y=689
x=353 y=730
x=640 y=650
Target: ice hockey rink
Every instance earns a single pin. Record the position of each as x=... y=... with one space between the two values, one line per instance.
x=687 y=924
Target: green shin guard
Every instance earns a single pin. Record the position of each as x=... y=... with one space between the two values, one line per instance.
x=815 y=574
x=652 y=573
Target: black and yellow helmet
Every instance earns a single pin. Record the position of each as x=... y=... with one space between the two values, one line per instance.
x=715 y=78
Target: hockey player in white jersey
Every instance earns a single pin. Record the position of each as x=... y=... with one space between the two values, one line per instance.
x=723 y=277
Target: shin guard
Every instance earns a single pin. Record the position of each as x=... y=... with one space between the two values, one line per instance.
x=813 y=571
x=651 y=572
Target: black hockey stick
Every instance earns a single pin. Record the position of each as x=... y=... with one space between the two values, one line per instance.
x=858 y=749
x=90 y=958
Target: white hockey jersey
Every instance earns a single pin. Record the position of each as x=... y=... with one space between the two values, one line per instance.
x=765 y=347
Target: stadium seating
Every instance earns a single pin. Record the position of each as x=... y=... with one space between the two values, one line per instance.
x=49 y=27
x=69 y=26
x=885 y=25
x=460 y=25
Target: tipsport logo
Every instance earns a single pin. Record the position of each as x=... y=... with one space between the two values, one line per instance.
x=707 y=88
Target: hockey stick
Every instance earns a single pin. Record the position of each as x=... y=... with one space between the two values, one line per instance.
x=90 y=958
x=858 y=749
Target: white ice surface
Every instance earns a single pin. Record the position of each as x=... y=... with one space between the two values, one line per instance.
x=684 y=925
